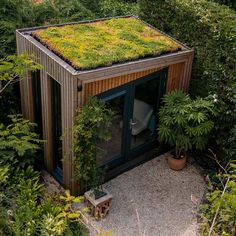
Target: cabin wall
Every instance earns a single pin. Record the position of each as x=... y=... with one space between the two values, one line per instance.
x=177 y=79
x=69 y=101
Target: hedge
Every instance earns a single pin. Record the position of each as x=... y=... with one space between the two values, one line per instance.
x=230 y=3
x=210 y=28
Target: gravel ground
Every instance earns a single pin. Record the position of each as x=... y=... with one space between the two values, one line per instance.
x=153 y=200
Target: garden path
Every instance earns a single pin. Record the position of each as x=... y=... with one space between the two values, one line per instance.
x=153 y=200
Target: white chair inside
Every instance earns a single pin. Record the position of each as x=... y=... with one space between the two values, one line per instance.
x=141 y=116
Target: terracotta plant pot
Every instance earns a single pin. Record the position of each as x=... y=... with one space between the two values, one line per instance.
x=176 y=164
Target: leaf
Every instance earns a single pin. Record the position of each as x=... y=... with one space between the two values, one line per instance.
x=73 y=215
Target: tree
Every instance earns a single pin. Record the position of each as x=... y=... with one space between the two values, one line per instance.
x=14 y=68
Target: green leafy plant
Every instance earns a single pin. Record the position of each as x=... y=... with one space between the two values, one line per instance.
x=14 y=68
x=18 y=143
x=110 y=8
x=90 y=128
x=65 y=218
x=27 y=212
x=4 y=174
x=230 y=3
x=219 y=212
x=185 y=123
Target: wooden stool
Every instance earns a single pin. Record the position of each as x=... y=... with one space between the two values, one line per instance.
x=99 y=207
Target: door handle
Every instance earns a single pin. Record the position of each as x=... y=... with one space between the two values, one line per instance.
x=132 y=123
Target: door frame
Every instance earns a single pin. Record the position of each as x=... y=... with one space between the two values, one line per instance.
x=57 y=171
x=128 y=89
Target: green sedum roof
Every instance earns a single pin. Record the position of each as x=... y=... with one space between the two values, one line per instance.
x=103 y=43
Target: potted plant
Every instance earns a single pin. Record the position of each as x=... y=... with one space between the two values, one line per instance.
x=185 y=124
x=96 y=182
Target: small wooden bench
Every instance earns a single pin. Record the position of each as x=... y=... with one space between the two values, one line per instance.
x=99 y=207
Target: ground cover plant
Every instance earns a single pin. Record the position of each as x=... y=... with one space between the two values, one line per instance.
x=103 y=43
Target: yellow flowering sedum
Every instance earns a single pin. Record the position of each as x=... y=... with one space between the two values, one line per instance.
x=103 y=43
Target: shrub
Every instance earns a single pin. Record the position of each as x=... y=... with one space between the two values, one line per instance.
x=219 y=213
x=185 y=123
x=25 y=210
x=4 y=174
x=230 y=3
x=110 y=8
x=211 y=29
x=18 y=143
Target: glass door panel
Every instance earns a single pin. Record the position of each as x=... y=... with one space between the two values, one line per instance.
x=112 y=150
x=143 y=120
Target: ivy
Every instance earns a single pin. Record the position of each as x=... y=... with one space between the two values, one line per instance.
x=90 y=128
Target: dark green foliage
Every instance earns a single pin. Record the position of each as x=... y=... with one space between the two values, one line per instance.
x=211 y=29
x=90 y=128
x=110 y=8
x=92 y=5
x=18 y=143
x=25 y=13
x=12 y=69
x=230 y=3
x=60 y=11
x=185 y=123
x=229 y=145
x=9 y=104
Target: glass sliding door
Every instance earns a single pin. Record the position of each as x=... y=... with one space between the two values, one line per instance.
x=56 y=127
x=133 y=130
x=145 y=103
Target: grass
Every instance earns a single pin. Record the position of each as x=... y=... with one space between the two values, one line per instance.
x=103 y=43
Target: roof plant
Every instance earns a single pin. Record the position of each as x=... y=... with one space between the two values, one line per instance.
x=185 y=123
x=103 y=43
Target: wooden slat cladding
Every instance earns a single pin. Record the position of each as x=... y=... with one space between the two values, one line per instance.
x=175 y=80
x=96 y=87
x=68 y=104
x=175 y=76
